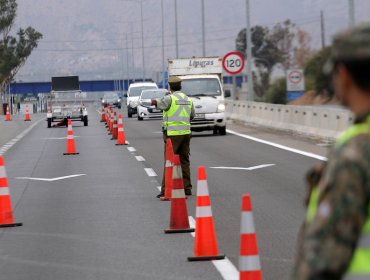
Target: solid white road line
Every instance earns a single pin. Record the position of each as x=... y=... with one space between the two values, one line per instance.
x=150 y=172
x=243 y=168
x=307 y=154
x=50 y=179
x=226 y=268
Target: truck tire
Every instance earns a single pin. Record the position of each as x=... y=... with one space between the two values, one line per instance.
x=86 y=121
x=49 y=122
x=129 y=113
x=215 y=131
x=222 y=130
x=139 y=118
x=66 y=122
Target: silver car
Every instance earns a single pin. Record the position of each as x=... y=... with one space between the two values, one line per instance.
x=146 y=111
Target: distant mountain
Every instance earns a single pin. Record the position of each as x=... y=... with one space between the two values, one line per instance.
x=87 y=37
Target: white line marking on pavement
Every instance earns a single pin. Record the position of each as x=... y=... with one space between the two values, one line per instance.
x=150 y=172
x=51 y=179
x=12 y=142
x=226 y=268
x=140 y=158
x=307 y=154
x=131 y=149
x=243 y=168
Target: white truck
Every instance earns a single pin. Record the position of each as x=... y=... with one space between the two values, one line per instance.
x=202 y=82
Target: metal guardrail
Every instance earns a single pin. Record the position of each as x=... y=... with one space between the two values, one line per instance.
x=320 y=121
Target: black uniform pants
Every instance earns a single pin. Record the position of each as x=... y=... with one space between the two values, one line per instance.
x=181 y=147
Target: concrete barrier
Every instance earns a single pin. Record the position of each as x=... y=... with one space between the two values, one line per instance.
x=319 y=121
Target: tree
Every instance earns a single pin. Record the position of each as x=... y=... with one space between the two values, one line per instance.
x=277 y=93
x=313 y=72
x=14 y=51
x=303 y=50
x=264 y=51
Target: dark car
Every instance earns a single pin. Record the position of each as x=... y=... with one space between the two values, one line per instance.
x=112 y=99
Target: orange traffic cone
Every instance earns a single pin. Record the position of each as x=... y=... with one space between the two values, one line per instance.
x=121 y=139
x=7 y=117
x=6 y=212
x=205 y=243
x=107 y=118
x=168 y=171
x=249 y=262
x=102 y=114
x=71 y=147
x=114 y=127
x=111 y=121
x=28 y=118
x=179 y=220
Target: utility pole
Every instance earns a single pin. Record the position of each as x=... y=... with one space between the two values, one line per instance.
x=142 y=37
x=127 y=65
x=351 y=8
x=249 y=53
x=163 y=62
x=203 y=30
x=322 y=29
x=176 y=31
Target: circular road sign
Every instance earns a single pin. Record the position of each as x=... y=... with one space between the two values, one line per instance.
x=295 y=77
x=233 y=63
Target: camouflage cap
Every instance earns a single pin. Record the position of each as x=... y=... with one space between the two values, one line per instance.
x=350 y=45
x=174 y=80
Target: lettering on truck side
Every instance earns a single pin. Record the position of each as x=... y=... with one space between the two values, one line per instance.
x=202 y=64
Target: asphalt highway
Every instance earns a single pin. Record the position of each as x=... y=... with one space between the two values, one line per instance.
x=95 y=215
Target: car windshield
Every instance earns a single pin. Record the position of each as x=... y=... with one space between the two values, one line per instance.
x=67 y=96
x=111 y=95
x=136 y=91
x=149 y=94
x=201 y=87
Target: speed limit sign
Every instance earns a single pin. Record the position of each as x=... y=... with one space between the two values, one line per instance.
x=233 y=63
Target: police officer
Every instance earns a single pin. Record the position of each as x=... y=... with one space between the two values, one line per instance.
x=335 y=239
x=178 y=110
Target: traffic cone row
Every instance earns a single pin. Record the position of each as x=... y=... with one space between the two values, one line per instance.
x=71 y=147
x=27 y=118
x=6 y=211
x=102 y=114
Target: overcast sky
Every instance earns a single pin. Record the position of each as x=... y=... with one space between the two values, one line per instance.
x=88 y=37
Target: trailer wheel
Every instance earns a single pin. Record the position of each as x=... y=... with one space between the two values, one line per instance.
x=49 y=122
x=86 y=121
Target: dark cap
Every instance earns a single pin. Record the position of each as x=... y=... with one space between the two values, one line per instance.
x=350 y=45
x=174 y=80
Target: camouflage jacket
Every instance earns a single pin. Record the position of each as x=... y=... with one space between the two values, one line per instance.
x=326 y=246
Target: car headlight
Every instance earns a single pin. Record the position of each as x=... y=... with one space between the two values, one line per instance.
x=221 y=108
x=119 y=100
x=103 y=101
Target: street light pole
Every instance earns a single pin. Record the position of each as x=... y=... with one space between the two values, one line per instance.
x=163 y=63
x=142 y=37
x=176 y=31
x=249 y=53
x=127 y=65
x=351 y=7
x=203 y=30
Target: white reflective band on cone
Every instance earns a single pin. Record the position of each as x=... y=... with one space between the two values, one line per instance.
x=168 y=163
x=69 y=127
x=2 y=172
x=249 y=263
x=247 y=223
x=178 y=193
x=120 y=129
x=4 y=191
x=70 y=137
x=176 y=172
x=203 y=212
x=202 y=188
x=114 y=125
x=120 y=121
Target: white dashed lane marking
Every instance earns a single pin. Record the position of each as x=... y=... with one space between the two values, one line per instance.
x=150 y=172
x=131 y=149
x=139 y=158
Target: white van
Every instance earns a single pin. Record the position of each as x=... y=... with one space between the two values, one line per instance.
x=133 y=95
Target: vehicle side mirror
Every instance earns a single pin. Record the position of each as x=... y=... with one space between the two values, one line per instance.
x=227 y=93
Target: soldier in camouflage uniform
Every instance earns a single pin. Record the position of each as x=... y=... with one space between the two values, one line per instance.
x=334 y=242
